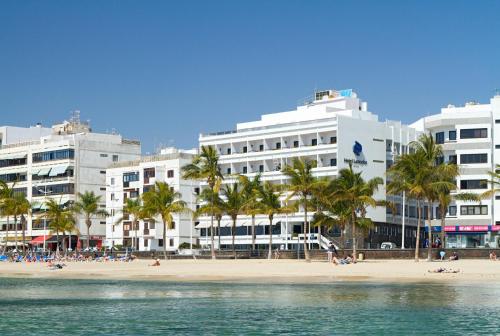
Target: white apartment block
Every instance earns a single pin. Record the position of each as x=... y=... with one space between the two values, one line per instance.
x=334 y=128
x=470 y=136
x=130 y=180
x=58 y=163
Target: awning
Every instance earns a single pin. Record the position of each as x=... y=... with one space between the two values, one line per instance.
x=44 y=172
x=13 y=156
x=39 y=240
x=58 y=170
x=12 y=238
x=53 y=239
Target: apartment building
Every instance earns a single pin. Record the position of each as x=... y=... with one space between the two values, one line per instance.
x=58 y=163
x=129 y=180
x=335 y=129
x=470 y=137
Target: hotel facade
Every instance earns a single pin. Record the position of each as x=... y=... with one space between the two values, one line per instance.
x=335 y=129
x=470 y=137
x=58 y=163
x=129 y=180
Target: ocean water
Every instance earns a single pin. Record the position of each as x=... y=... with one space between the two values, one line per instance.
x=83 y=307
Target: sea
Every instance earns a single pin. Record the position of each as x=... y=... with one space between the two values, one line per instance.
x=104 y=307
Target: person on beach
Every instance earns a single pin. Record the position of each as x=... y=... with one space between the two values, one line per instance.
x=442 y=254
x=454 y=256
x=329 y=252
x=443 y=270
x=156 y=263
x=493 y=256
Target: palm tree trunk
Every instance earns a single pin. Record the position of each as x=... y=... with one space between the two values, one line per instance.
x=429 y=234
x=417 y=243
x=218 y=232
x=269 y=255
x=342 y=238
x=136 y=242
x=23 y=227
x=88 y=223
x=6 y=235
x=443 y=224
x=164 y=240
x=233 y=234
x=57 y=242
x=306 y=231
x=253 y=232
x=353 y=220
x=212 y=248
x=64 y=246
x=15 y=234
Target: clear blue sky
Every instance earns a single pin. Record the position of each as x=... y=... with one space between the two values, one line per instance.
x=163 y=71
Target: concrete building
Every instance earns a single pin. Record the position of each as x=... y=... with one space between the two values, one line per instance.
x=470 y=137
x=130 y=180
x=58 y=163
x=334 y=128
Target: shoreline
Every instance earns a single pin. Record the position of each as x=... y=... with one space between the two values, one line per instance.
x=264 y=271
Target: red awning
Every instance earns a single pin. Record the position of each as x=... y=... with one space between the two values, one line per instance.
x=39 y=240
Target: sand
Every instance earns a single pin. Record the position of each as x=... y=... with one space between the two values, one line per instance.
x=256 y=271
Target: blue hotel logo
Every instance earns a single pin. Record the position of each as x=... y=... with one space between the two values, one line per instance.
x=357 y=148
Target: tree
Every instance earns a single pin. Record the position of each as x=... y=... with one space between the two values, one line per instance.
x=270 y=205
x=212 y=205
x=88 y=205
x=351 y=188
x=134 y=208
x=301 y=184
x=251 y=190
x=234 y=202
x=5 y=194
x=205 y=166
x=163 y=201
x=59 y=216
x=18 y=206
x=410 y=174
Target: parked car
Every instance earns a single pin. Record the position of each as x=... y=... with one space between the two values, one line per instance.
x=388 y=245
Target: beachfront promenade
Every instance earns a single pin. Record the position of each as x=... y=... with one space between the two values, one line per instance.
x=254 y=270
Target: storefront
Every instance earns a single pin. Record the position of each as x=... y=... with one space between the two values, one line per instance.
x=470 y=236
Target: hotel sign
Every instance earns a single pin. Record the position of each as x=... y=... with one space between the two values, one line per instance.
x=357 y=149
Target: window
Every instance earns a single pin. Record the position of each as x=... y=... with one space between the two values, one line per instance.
x=54 y=189
x=245 y=149
x=103 y=172
x=102 y=189
x=452 y=135
x=470 y=210
x=473 y=133
x=440 y=138
x=295 y=144
x=102 y=222
x=172 y=227
x=452 y=210
x=115 y=158
x=452 y=159
x=278 y=145
x=170 y=173
x=62 y=154
x=473 y=158
x=497 y=121
x=197 y=190
x=131 y=177
x=314 y=142
x=333 y=140
x=146 y=242
x=228 y=171
x=104 y=155
x=245 y=169
x=261 y=168
x=112 y=181
x=261 y=148
x=228 y=151
x=497 y=146
x=160 y=242
x=439 y=160
x=134 y=194
x=149 y=173
x=473 y=184
x=333 y=162
x=112 y=196
x=171 y=242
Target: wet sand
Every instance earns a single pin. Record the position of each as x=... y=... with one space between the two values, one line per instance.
x=293 y=271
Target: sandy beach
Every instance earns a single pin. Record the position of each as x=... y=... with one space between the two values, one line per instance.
x=262 y=271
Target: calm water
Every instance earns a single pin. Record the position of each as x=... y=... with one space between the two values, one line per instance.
x=81 y=307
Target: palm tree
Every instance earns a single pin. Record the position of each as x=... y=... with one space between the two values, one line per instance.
x=134 y=208
x=302 y=183
x=88 y=205
x=270 y=205
x=163 y=201
x=18 y=207
x=234 y=202
x=60 y=217
x=351 y=188
x=5 y=194
x=212 y=205
x=205 y=166
x=69 y=225
x=251 y=189
x=410 y=174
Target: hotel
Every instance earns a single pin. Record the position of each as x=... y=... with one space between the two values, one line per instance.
x=129 y=180
x=58 y=163
x=470 y=137
x=335 y=129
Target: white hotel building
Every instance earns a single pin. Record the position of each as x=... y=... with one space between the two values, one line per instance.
x=58 y=163
x=470 y=136
x=131 y=179
x=325 y=129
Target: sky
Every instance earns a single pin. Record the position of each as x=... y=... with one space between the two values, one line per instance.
x=165 y=71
